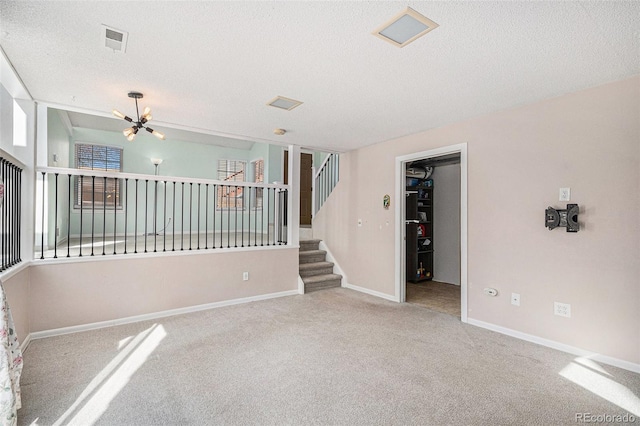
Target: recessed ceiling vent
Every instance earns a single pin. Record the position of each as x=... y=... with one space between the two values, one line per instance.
x=405 y=27
x=284 y=103
x=113 y=39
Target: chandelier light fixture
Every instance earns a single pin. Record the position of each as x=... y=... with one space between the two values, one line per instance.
x=139 y=123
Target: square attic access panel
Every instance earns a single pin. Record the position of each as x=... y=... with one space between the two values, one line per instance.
x=405 y=27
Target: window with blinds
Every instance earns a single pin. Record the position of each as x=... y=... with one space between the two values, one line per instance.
x=230 y=171
x=96 y=191
x=258 y=177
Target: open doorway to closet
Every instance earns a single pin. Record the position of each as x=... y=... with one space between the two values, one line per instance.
x=433 y=230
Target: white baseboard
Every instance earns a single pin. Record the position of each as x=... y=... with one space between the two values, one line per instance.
x=371 y=292
x=156 y=315
x=25 y=343
x=345 y=282
x=336 y=266
x=300 y=285
x=626 y=365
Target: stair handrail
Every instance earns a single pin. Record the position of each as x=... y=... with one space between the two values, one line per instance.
x=325 y=180
x=324 y=162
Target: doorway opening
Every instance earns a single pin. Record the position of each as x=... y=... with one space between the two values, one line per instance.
x=431 y=244
x=306 y=184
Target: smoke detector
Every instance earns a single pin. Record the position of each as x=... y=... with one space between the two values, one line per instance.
x=114 y=39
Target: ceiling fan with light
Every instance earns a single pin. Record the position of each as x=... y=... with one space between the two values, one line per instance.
x=140 y=122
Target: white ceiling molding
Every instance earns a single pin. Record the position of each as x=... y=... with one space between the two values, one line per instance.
x=66 y=122
x=11 y=80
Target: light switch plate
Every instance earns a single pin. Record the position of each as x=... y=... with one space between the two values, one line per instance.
x=565 y=194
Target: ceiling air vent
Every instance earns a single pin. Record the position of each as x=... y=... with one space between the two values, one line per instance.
x=284 y=103
x=113 y=39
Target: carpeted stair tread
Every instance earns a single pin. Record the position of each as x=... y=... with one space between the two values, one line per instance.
x=310 y=241
x=315 y=268
x=321 y=278
x=311 y=256
x=315 y=265
x=309 y=245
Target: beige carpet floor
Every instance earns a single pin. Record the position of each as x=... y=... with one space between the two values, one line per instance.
x=441 y=297
x=333 y=357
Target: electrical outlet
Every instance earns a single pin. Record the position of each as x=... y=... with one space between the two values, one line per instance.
x=565 y=194
x=515 y=299
x=562 y=309
x=245 y=276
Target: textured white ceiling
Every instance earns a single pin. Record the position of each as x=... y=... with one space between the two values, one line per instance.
x=214 y=65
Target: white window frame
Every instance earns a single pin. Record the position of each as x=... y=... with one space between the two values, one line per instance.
x=230 y=172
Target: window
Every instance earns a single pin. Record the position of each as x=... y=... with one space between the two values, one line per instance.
x=19 y=125
x=230 y=196
x=88 y=190
x=258 y=177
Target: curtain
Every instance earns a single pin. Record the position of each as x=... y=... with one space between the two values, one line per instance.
x=10 y=365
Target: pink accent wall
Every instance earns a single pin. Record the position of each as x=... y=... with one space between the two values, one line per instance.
x=76 y=293
x=517 y=160
x=17 y=290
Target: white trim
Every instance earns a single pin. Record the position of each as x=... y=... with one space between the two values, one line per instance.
x=12 y=159
x=324 y=162
x=293 y=196
x=400 y=287
x=141 y=255
x=616 y=362
x=300 y=285
x=156 y=315
x=25 y=343
x=9 y=273
x=159 y=178
x=344 y=282
x=370 y=292
x=336 y=266
x=66 y=122
x=11 y=79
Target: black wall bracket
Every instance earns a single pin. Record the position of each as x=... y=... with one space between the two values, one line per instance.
x=562 y=218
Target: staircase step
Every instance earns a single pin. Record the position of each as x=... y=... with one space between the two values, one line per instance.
x=321 y=282
x=311 y=256
x=307 y=245
x=316 y=268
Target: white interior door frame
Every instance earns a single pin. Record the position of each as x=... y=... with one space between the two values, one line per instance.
x=400 y=249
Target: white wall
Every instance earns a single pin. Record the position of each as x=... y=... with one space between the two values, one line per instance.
x=446 y=223
x=69 y=294
x=517 y=160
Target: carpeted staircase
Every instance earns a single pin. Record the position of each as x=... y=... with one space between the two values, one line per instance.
x=315 y=271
